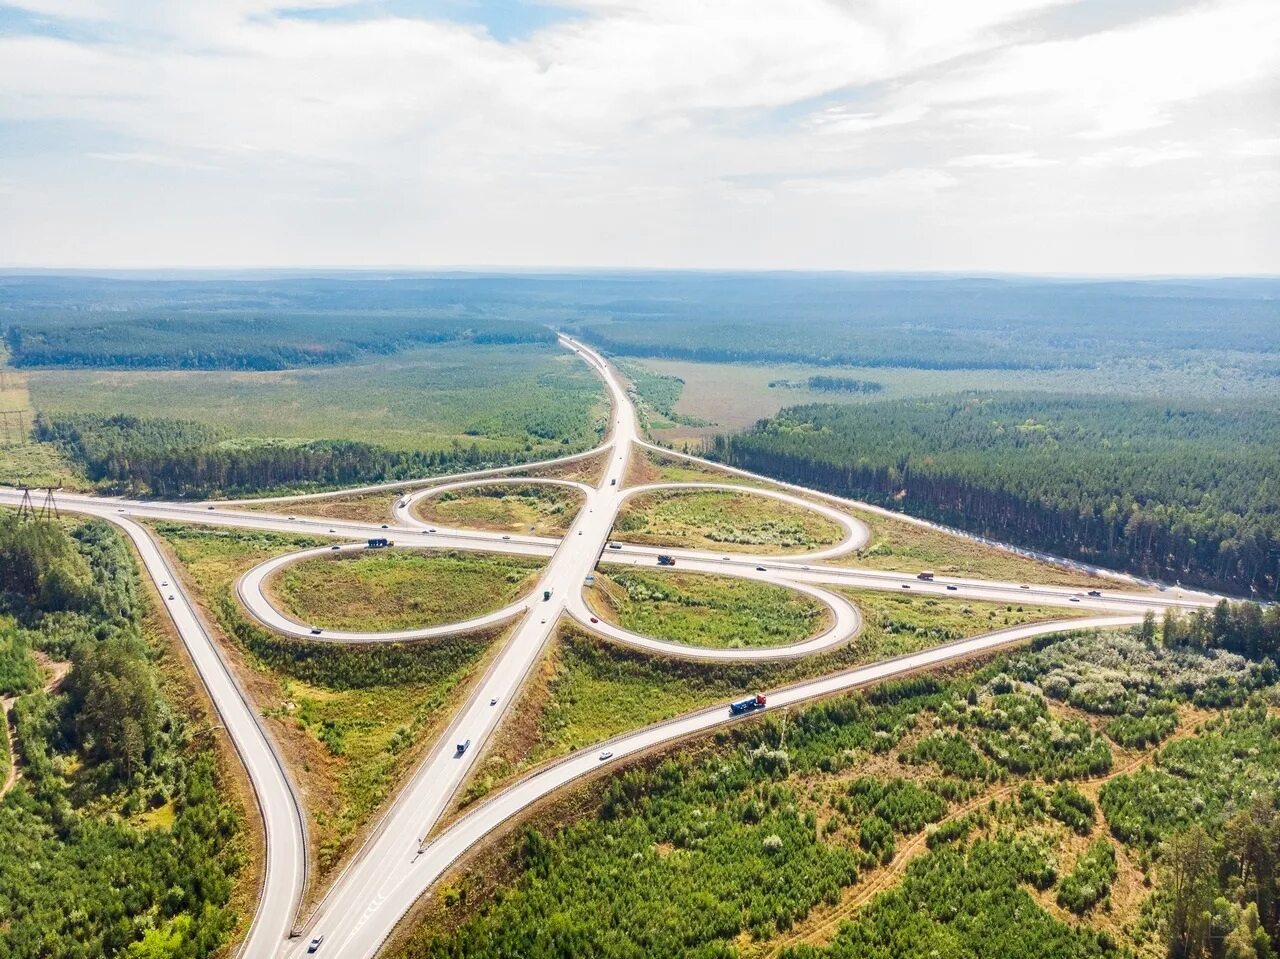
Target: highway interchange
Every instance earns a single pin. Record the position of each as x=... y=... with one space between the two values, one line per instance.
x=403 y=855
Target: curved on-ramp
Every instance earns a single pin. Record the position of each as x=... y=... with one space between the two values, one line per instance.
x=846 y=624
x=856 y=532
x=403 y=510
x=252 y=592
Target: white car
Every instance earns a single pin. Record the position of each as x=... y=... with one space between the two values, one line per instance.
x=606 y=755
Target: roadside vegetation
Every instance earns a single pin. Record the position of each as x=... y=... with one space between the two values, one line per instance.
x=699 y=609
x=351 y=719
x=723 y=519
x=394 y=589
x=896 y=544
x=587 y=689
x=903 y=546
x=654 y=396
x=124 y=834
x=904 y=623
x=505 y=507
x=928 y=816
x=358 y=507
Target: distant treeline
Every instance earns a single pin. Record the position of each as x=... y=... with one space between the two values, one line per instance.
x=1190 y=494
x=829 y=384
x=175 y=458
x=271 y=341
x=936 y=322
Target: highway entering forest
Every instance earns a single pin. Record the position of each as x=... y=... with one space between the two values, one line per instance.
x=400 y=859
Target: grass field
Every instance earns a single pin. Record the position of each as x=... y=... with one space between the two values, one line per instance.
x=722 y=519
x=386 y=590
x=732 y=396
x=703 y=610
x=542 y=510
x=902 y=546
x=904 y=623
x=350 y=720
x=538 y=399
x=359 y=507
x=23 y=461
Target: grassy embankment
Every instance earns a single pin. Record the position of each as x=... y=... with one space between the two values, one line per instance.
x=537 y=509
x=586 y=690
x=351 y=720
x=723 y=519
x=387 y=590
x=699 y=609
x=886 y=823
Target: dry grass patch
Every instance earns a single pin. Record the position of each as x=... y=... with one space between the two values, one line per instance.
x=385 y=590
x=700 y=609
x=902 y=546
x=504 y=507
x=724 y=520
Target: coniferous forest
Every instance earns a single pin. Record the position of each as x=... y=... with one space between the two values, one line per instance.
x=118 y=837
x=1191 y=494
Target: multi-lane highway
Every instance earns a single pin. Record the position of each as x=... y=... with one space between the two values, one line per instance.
x=400 y=859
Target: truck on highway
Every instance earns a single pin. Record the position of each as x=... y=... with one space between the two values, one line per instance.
x=925 y=575
x=380 y=542
x=750 y=704
x=665 y=560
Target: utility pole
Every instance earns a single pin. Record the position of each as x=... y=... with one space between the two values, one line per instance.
x=49 y=508
x=26 y=509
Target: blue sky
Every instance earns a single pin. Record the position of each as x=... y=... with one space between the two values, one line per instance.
x=1091 y=136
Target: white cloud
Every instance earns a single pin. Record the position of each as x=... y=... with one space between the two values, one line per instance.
x=1002 y=161
x=640 y=132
